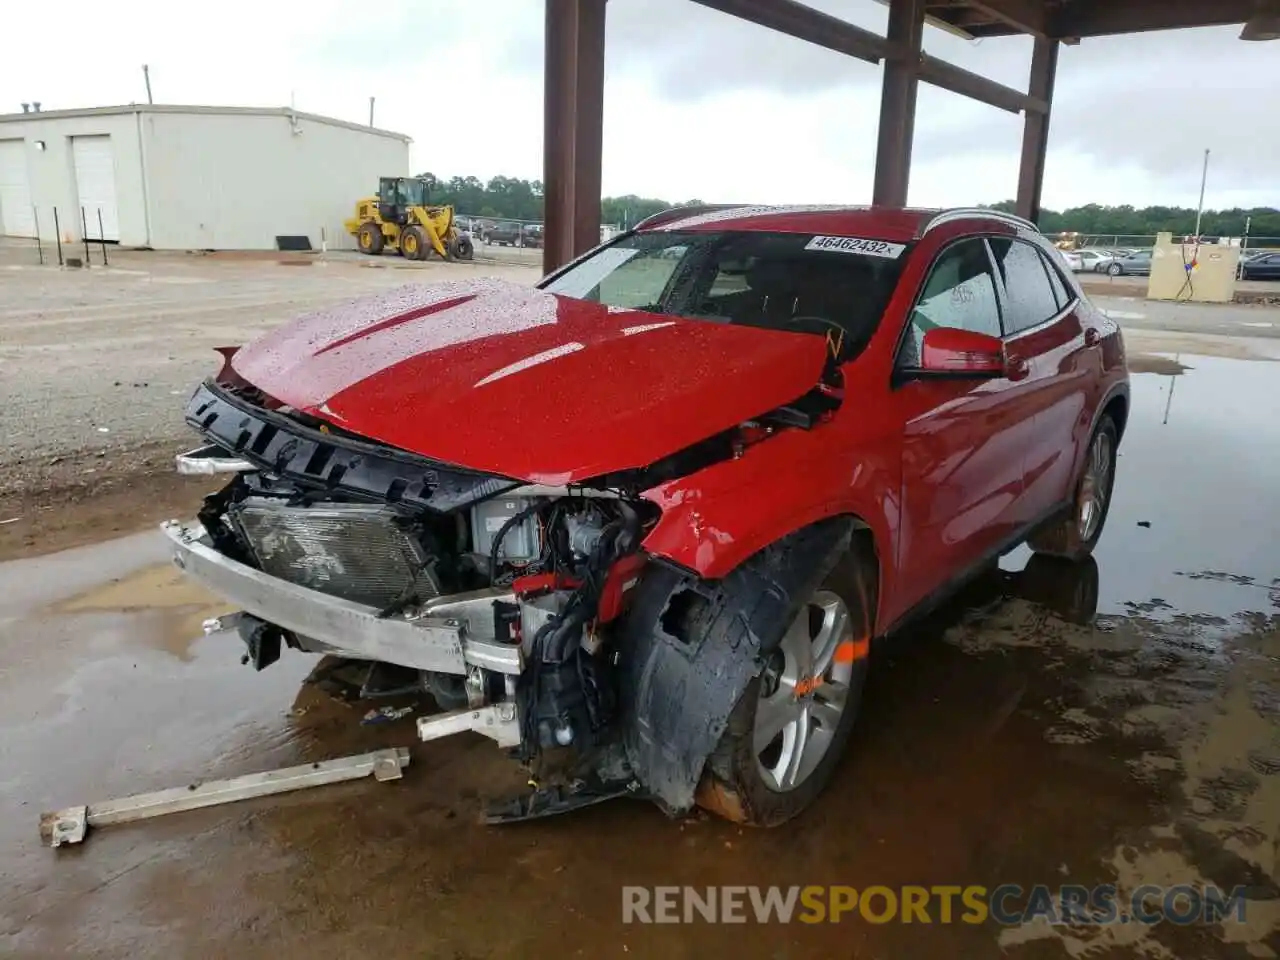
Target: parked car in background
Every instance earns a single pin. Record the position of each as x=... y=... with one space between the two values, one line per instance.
x=533 y=235
x=1089 y=261
x=505 y=234
x=1138 y=263
x=1263 y=266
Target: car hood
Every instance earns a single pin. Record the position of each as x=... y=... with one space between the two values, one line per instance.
x=512 y=380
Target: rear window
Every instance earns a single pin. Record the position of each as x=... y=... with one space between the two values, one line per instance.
x=826 y=286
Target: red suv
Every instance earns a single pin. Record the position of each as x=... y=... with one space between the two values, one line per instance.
x=641 y=523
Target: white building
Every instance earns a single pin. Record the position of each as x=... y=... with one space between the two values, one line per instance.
x=190 y=178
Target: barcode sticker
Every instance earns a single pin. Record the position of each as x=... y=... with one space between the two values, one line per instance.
x=870 y=248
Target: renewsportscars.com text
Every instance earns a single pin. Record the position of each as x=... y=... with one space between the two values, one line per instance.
x=1007 y=904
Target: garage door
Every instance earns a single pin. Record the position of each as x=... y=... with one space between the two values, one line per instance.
x=95 y=163
x=16 y=218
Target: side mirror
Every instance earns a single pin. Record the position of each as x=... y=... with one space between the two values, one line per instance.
x=947 y=351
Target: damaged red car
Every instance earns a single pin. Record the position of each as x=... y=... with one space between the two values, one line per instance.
x=640 y=524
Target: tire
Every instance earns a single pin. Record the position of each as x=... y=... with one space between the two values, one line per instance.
x=413 y=243
x=462 y=249
x=1073 y=534
x=1115 y=270
x=748 y=779
x=370 y=239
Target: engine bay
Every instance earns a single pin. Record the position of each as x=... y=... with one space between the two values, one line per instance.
x=544 y=572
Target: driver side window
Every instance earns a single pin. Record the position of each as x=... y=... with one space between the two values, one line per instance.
x=640 y=281
x=960 y=292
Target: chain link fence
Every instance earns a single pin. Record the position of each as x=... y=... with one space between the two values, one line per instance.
x=1114 y=242
x=511 y=232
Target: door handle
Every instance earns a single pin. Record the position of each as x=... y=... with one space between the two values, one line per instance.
x=1016 y=368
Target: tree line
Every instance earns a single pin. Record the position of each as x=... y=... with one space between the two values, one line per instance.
x=517 y=199
x=1127 y=221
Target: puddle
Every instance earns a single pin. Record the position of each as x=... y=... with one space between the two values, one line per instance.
x=1110 y=721
x=1155 y=363
x=1200 y=462
x=177 y=605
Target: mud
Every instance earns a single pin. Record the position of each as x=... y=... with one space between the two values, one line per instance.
x=93 y=498
x=1116 y=722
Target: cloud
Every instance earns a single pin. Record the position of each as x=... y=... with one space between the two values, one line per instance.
x=698 y=103
x=1142 y=110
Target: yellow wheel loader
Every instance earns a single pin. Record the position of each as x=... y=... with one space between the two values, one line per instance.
x=401 y=217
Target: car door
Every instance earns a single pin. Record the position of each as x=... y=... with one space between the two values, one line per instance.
x=962 y=437
x=1048 y=343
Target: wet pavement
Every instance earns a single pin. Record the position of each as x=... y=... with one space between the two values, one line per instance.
x=1084 y=724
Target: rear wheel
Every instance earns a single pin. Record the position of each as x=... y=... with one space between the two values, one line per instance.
x=1115 y=269
x=789 y=729
x=1075 y=533
x=413 y=243
x=370 y=239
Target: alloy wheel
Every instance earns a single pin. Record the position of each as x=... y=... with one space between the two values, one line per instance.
x=1095 y=486
x=803 y=693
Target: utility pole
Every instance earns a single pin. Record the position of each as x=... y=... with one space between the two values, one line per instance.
x=1204 y=175
x=371 y=111
x=146 y=77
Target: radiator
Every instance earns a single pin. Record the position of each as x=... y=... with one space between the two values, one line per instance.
x=358 y=552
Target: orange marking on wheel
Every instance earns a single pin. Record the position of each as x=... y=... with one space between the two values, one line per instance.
x=806 y=685
x=853 y=650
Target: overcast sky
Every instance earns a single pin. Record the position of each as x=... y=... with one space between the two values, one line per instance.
x=697 y=104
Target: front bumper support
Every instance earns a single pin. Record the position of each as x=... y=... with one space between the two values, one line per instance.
x=447 y=635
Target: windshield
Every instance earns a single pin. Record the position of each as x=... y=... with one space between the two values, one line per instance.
x=828 y=286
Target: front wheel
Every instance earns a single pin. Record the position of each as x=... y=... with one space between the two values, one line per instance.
x=1115 y=270
x=789 y=729
x=413 y=243
x=1075 y=533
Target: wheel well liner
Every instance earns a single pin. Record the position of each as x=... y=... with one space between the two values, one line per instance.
x=678 y=690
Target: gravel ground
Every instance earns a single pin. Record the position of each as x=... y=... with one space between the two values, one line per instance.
x=95 y=364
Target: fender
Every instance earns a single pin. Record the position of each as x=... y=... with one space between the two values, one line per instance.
x=1119 y=388
x=714 y=520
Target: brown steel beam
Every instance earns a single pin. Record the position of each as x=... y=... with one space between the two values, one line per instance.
x=589 y=144
x=1035 y=129
x=805 y=23
x=1094 y=18
x=898 y=103
x=953 y=78
x=573 y=105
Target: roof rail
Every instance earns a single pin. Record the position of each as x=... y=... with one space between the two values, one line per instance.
x=946 y=216
x=679 y=213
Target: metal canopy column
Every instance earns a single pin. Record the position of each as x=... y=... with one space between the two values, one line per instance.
x=1035 y=129
x=898 y=102
x=573 y=124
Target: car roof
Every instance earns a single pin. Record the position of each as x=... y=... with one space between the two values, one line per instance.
x=899 y=224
